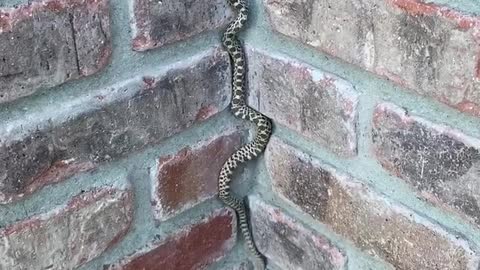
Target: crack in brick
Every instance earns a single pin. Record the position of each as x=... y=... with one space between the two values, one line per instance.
x=11 y=75
x=104 y=34
x=74 y=32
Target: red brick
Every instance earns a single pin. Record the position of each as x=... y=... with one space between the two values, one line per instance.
x=371 y=221
x=415 y=7
x=120 y=120
x=288 y=243
x=158 y=23
x=188 y=177
x=316 y=104
x=440 y=163
x=430 y=49
x=191 y=248
x=68 y=237
x=46 y=43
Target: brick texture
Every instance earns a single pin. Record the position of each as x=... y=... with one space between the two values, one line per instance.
x=68 y=237
x=288 y=243
x=191 y=248
x=441 y=163
x=352 y=210
x=46 y=43
x=314 y=103
x=430 y=49
x=189 y=176
x=158 y=23
x=115 y=125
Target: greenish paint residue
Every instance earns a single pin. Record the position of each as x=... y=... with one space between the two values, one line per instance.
x=13 y=3
x=233 y=259
x=466 y=6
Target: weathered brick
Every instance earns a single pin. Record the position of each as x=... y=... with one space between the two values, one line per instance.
x=189 y=177
x=319 y=105
x=46 y=43
x=191 y=248
x=106 y=127
x=427 y=48
x=441 y=163
x=372 y=222
x=157 y=23
x=290 y=244
x=68 y=237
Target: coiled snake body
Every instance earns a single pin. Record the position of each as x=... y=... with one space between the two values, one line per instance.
x=241 y=110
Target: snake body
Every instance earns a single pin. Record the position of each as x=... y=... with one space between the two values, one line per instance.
x=241 y=110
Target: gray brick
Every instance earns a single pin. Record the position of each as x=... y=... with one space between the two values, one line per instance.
x=123 y=119
x=430 y=49
x=316 y=104
x=46 y=43
x=290 y=244
x=158 y=23
x=439 y=162
x=68 y=237
x=373 y=223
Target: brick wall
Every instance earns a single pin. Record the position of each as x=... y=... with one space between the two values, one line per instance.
x=115 y=123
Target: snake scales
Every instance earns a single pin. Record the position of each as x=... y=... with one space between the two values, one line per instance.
x=241 y=110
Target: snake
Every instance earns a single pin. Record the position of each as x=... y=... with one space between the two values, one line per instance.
x=240 y=109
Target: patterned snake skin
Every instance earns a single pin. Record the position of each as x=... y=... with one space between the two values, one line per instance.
x=242 y=110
